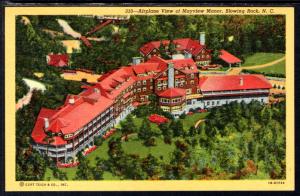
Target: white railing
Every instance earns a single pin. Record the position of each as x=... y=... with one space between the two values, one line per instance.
x=234 y=92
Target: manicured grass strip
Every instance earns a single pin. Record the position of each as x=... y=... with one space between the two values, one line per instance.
x=261 y=58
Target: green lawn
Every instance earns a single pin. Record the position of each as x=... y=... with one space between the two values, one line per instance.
x=277 y=68
x=261 y=58
x=133 y=146
x=190 y=120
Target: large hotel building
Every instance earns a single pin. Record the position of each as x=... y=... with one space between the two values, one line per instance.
x=63 y=132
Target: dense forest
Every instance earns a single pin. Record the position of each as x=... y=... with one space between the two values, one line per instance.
x=249 y=34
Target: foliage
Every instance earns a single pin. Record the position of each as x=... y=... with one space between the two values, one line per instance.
x=128 y=126
x=146 y=133
x=84 y=171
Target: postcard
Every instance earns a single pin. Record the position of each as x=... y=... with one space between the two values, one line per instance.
x=149 y=98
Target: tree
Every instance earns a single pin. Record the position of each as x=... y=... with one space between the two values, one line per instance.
x=151 y=166
x=146 y=133
x=167 y=133
x=132 y=168
x=177 y=127
x=128 y=126
x=99 y=169
x=172 y=47
x=84 y=170
x=192 y=131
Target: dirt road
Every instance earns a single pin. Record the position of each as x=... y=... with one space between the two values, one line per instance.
x=237 y=70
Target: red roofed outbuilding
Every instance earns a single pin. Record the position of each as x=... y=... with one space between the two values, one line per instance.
x=229 y=58
x=58 y=60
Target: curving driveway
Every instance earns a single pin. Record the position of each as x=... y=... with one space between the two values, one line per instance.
x=237 y=70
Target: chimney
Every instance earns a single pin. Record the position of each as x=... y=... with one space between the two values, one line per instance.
x=96 y=90
x=187 y=55
x=170 y=75
x=46 y=121
x=241 y=81
x=136 y=60
x=202 y=38
x=71 y=100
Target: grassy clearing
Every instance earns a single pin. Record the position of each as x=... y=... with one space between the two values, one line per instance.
x=161 y=150
x=261 y=58
x=277 y=68
x=190 y=120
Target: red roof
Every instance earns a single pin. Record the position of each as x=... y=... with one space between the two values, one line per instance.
x=184 y=65
x=186 y=44
x=58 y=60
x=228 y=58
x=234 y=82
x=71 y=116
x=117 y=81
x=145 y=67
x=172 y=92
x=38 y=134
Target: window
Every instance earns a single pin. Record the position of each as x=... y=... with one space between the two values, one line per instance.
x=138 y=83
x=207 y=103
x=134 y=90
x=262 y=100
x=188 y=91
x=144 y=82
x=212 y=103
x=192 y=75
x=158 y=88
x=176 y=72
x=192 y=81
x=144 y=89
x=226 y=102
x=164 y=87
x=165 y=73
x=218 y=102
x=138 y=90
x=188 y=102
x=165 y=82
x=181 y=85
x=142 y=99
